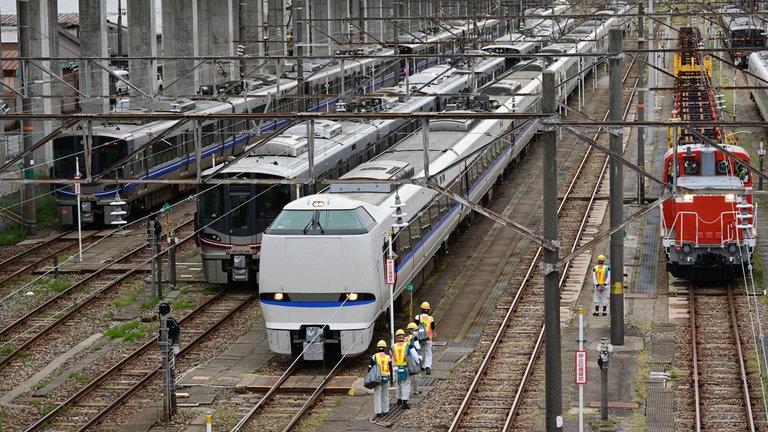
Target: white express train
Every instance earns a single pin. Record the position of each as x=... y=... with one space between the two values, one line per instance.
x=231 y=217
x=323 y=259
x=757 y=79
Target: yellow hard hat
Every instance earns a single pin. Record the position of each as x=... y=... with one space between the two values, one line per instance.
x=412 y=325
x=425 y=305
x=601 y=258
x=381 y=344
x=400 y=332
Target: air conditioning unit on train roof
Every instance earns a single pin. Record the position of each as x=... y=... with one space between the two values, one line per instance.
x=172 y=105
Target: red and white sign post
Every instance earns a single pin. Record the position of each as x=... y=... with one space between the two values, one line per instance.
x=77 y=193
x=581 y=367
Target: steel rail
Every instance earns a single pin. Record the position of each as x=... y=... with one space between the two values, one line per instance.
x=77 y=308
x=151 y=344
x=37 y=261
x=490 y=355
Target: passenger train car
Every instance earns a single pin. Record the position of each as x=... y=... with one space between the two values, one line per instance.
x=165 y=149
x=743 y=32
x=339 y=240
x=150 y=149
x=707 y=228
x=231 y=218
x=757 y=79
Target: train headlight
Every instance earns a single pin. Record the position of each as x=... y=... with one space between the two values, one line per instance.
x=732 y=248
x=352 y=296
x=730 y=198
x=686 y=249
x=688 y=198
x=278 y=296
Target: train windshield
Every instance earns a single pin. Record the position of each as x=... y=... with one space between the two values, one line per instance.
x=320 y=222
x=241 y=209
x=106 y=152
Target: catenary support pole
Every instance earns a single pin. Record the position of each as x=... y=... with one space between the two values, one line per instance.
x=28 y=204
x=552 y=363
x=641 y=107
x=616 y=63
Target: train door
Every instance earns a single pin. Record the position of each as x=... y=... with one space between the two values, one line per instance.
x=240 y=212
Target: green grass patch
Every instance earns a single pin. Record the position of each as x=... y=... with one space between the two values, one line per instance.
x=12 y=235
x=128 y=299
x=181 y=304
x=5 y=350
x=128 y=331
x=79 y=378
x=212 y=290
x=50 y=284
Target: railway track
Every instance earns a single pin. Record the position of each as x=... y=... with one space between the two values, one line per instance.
x=76 y=315
x=720 y=383
x=24 y=260
x=494 y=398
x=92 y=403
x=32 y=327
x=282 y=409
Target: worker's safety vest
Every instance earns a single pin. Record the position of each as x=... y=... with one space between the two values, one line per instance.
x=600 y=271
x=399 y=351
x=427 y=320
x=383 y=360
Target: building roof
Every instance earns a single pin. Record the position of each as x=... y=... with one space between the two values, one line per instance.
x=9 y=60
x=65 y=20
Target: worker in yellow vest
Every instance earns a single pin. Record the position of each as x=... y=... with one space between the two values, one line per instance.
x=381 y=391
x=426 y=344
x=400 y=351
x=601 y=278
x=413 y=342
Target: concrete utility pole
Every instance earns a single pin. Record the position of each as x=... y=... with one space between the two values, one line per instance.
x=298 y=30
x=616 y=64
x=641 y=108
x=552 y=366
x=29 y=214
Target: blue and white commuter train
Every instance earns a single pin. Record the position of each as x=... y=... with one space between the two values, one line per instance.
x=231 y=218
x=166 y=149
x=744 y=32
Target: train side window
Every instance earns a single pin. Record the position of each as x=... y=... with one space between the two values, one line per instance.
x=209 y=135
x=742 y=173
x=211 y=205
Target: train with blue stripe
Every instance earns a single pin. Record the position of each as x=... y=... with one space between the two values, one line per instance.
x=232 y=217
x=166 y=150
x=325 y=259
